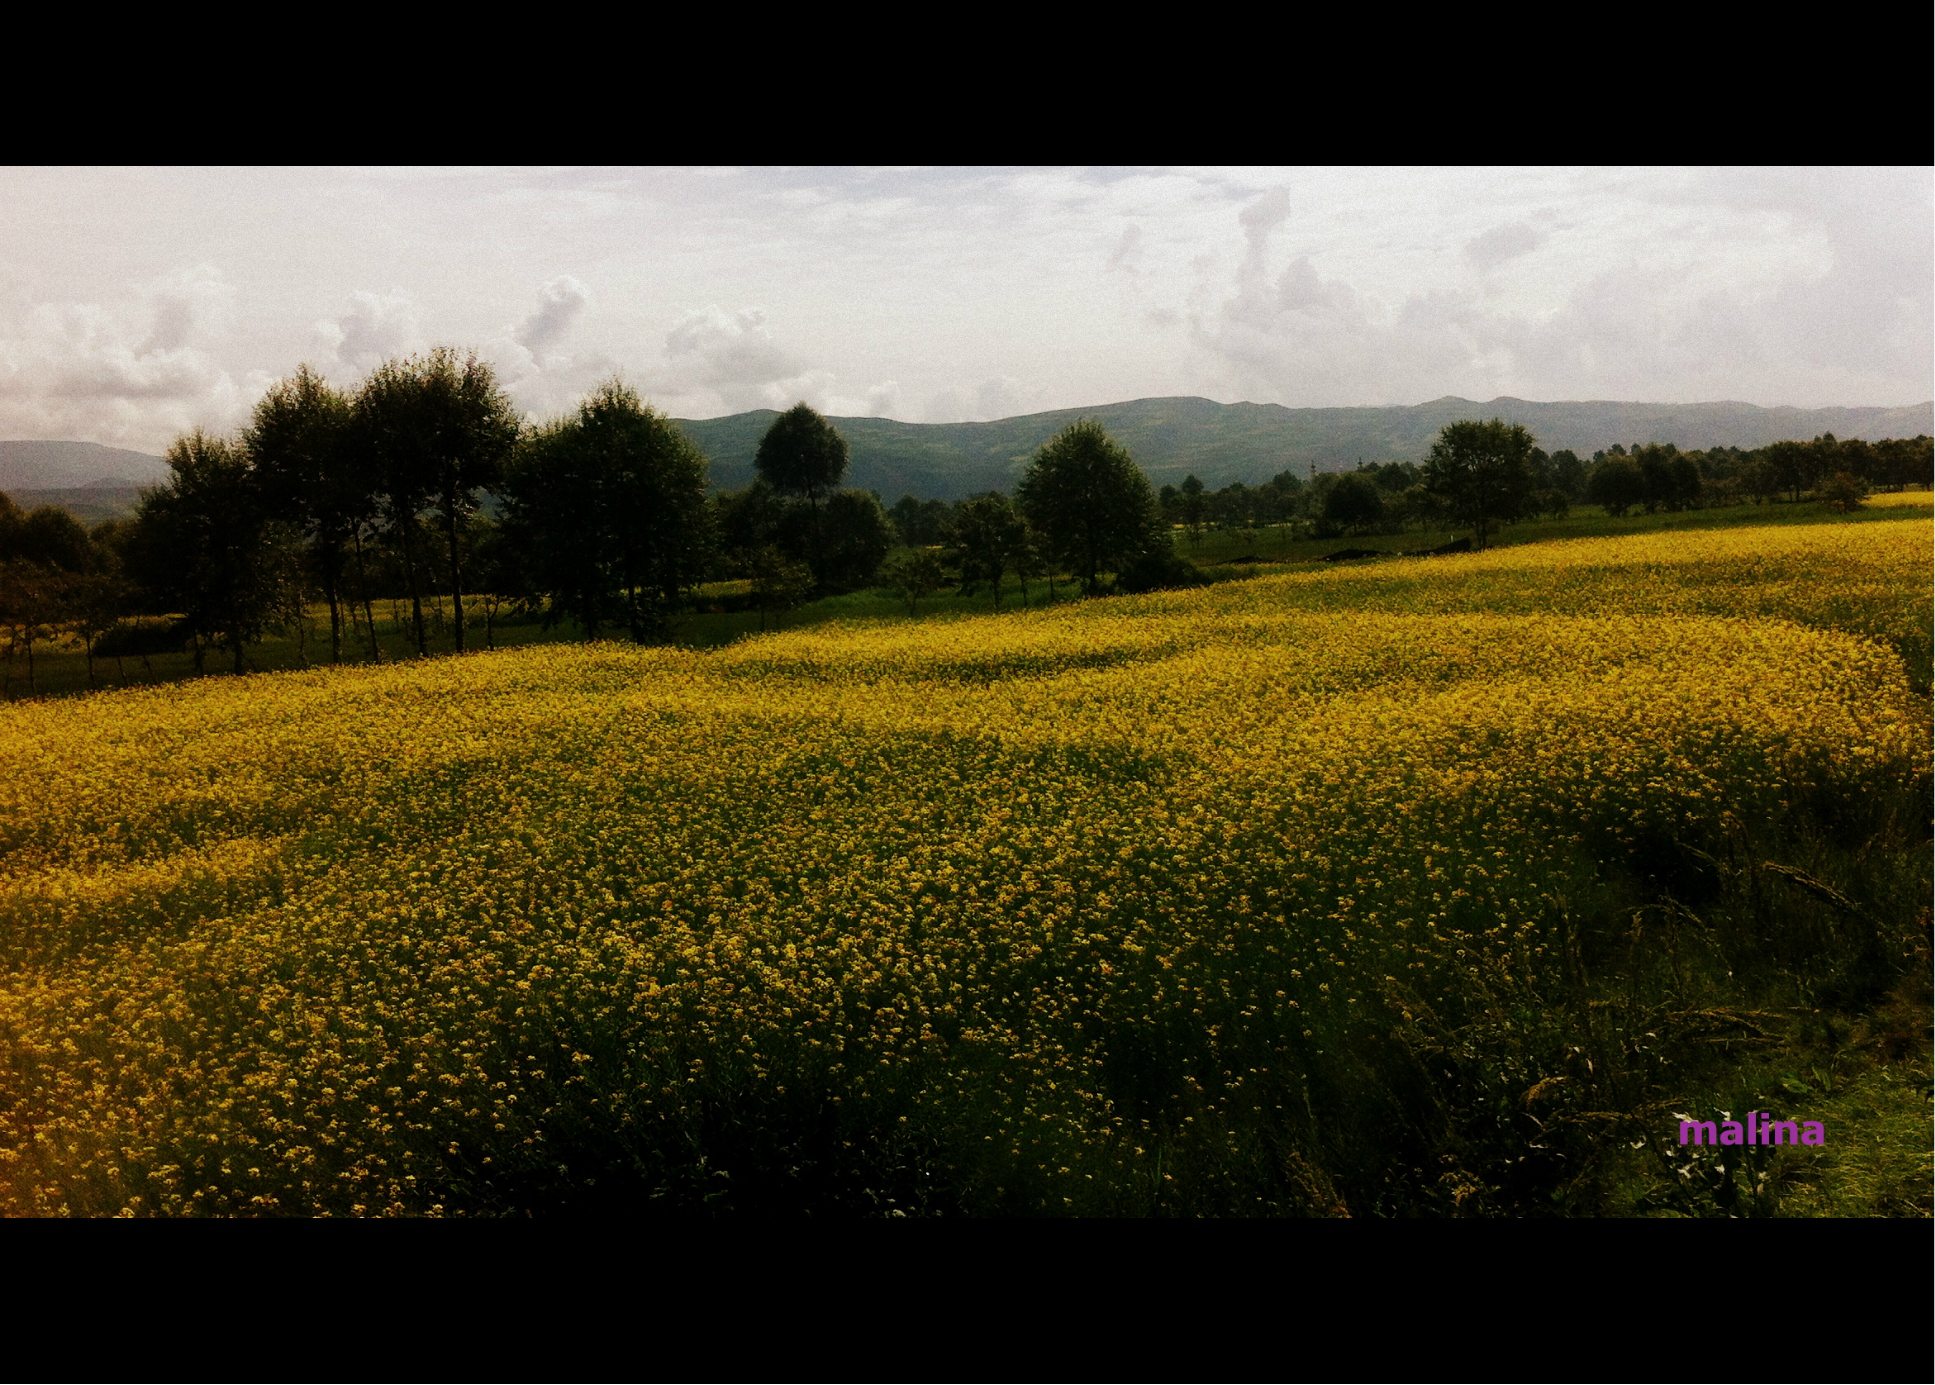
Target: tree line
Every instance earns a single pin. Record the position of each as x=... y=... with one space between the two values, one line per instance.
x=1390 y=497
x=422 y=486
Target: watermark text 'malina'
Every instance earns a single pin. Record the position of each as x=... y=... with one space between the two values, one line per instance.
x=1761 y=1129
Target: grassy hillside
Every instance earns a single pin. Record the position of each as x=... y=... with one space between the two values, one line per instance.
x=1416 y=888
x=1221 y=443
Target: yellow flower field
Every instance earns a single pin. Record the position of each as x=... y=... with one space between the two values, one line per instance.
x=1278 y=895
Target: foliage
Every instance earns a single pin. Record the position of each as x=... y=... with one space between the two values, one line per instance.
x=313 y=476
x=1353 y=505
x=438 y=429
x=802 y=455
x=607 y=511
x=1481 y=472
x=912 y=575
x=854 y=535
x=1844 y=492
x=1090 y=502
x=206 y=545
x=988 y=536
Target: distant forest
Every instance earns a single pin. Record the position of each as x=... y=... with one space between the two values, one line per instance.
x=422 y=482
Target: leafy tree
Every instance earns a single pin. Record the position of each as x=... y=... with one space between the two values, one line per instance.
x=804 y=457
x=440 y=430
x=1568 y=473
x=1354 y=504
x=921 y=523
x=1616 y=485
x=651 y=480
x=747 y=520
x=205 y=545
x=1090 y=502
x=556 y=519
x=913 y=575
x=1795 y=465
x=778 y=584
x=855 y=536
x=300 y=445
x=1481 y=472
x=1192 y=508
x=1844 y=492
x=988 y=536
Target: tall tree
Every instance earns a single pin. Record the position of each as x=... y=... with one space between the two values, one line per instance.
x=439 y=429
x=988 y=537
x=804 y=456
x=204 y=545
x=1482 y=473
x=651 y=482
x=299 y=443
x=1086 y=496
x=609 y=511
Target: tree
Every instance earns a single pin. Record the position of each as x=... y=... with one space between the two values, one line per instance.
x=1191 y=507
x=1616 y=485
x=855 y=536
x=607 y=511
x=205 y=545
x=555 y=517
x=440 y=430
x=988 y=536
x=778 y=584
x=1089 y=500
x=300 y=446
x=651 y=480
x=1481 y=471
x=1844 y=491
x=803 y=456
x=1354 y=504
x=913 y=575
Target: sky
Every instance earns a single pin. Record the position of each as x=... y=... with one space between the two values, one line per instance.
x=137 y=304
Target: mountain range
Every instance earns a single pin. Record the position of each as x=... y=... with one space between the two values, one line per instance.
x=1221 y=443
x=1171 y=438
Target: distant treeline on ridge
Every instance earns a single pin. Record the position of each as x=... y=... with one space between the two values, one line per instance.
x=421 y=482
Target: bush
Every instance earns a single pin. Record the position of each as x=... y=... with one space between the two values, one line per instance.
x=1156 y=568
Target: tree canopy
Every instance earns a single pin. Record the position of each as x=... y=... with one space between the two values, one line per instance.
x=802 y=455
x=1482 y=473
x=1086 y=496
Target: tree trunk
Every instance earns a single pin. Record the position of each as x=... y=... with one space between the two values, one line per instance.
x=236 y=641
x=456 y=573
x=416 y=588
x=332 y=565
x=369 y=616
x=87 y=643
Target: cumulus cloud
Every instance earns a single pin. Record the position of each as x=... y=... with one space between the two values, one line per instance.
x=560 y=302
x=375 y=327
x=1818 y=299
x=1003 y=396
x=734 y=358
x=134 y=372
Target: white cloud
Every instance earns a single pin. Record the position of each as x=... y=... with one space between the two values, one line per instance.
x=375 y=328
x=560 y=302
x=734 y=358
x=134 y=372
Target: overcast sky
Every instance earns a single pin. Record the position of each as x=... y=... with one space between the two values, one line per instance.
x=134 y=304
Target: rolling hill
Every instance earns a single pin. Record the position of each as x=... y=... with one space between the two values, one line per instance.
x=1221 y=443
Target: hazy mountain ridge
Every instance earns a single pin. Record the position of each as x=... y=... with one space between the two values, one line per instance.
x=1221 y=443
x=1170 y=437
x=75 y=466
